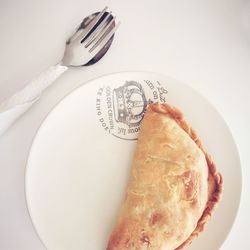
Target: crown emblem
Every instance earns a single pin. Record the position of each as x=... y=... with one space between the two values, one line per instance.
x=129 y=103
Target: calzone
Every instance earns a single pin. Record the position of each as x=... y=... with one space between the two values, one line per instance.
x=173 y=186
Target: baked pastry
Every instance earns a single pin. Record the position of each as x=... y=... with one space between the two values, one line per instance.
x=173 y=186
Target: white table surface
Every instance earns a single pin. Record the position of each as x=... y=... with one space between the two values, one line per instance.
x=205 y=44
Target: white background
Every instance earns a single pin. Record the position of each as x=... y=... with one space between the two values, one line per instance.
x=205 y=44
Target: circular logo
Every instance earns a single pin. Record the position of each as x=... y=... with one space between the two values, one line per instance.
x=121 y=109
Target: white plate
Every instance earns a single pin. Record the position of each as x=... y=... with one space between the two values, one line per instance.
x=80 y=158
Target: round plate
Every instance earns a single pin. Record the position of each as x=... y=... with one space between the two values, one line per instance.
x=80 y=159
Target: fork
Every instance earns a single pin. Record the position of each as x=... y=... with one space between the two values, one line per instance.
x=83 y=46
x=91 y=39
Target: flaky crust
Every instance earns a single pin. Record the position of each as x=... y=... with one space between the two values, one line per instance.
x=187 y=196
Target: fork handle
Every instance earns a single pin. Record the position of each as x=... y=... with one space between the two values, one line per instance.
x=12 y=108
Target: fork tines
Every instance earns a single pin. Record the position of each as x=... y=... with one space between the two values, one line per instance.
x=99 y=31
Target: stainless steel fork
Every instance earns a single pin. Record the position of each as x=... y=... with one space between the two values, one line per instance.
x=86 y=43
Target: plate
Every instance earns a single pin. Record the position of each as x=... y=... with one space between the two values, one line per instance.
x=80 y=159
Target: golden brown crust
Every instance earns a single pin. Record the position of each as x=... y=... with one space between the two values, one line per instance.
x=215 y=193
x=173 y=187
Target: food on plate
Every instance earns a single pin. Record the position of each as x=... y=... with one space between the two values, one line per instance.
x=173 y=187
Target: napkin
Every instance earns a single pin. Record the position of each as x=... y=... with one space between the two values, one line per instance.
x=12 y=108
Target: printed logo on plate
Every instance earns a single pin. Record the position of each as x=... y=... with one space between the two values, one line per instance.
x=121 y=109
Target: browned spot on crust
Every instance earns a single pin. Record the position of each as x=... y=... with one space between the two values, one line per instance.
x=118 y=237
x=157 y=218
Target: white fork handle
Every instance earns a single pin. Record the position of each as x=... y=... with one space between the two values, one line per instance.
x=20 y=102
